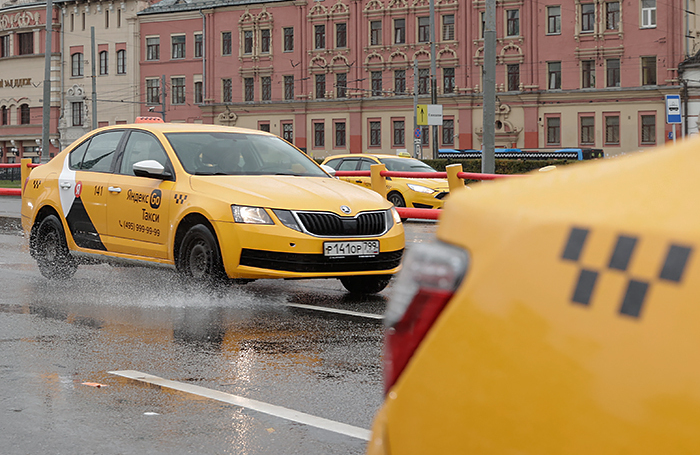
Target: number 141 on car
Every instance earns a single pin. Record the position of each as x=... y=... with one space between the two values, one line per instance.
x=361 y=248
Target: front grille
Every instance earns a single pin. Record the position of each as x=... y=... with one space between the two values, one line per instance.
x=310 y=263
x=330 y=224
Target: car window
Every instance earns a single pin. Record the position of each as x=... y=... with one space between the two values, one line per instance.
x=100 y=151
x=75 y=158
x=406 y=165
x=141 y=146
x=224 y=153
x=348 y=164
x=365 y=164
x=334 y=163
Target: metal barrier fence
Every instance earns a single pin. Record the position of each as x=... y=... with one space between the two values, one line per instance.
x=23 y=169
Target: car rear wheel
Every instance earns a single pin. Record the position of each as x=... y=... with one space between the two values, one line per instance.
x=50 y=250
x=200 y=258
x=396 y=199
x=365 y=284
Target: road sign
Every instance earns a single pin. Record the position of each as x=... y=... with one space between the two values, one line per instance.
x=435 y=114
x=673 y=109
x=416 y=133
x=422 y=114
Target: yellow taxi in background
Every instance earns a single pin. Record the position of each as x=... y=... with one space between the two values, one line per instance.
x=555 y=314
x=402 y=192
x=214 y=202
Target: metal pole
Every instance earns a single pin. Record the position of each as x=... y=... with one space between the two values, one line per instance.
x=433 y=70
x=46 y=106
x=488 y=161
x=162 y=96
x=94 y=78
x=416 y=143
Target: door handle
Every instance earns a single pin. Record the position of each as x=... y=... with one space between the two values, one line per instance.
x=114 y=189
x=65 y=185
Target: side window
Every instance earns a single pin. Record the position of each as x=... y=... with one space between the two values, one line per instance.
x=100 y=151
x=334 y=163
x=141 y=146
x=365 y=165
x=75 y=159
x=348 y=165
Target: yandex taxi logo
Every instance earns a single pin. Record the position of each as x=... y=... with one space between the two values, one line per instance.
x=155 y=198
x=671 y=268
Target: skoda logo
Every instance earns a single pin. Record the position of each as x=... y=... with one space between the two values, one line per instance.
x=155 y=199
x=345 y=209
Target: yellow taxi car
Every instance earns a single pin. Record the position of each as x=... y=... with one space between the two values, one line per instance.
x=402 y=192
x=214 y=202
x=555 y=314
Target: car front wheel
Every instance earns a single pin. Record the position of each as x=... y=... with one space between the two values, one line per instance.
x=200 y=258
x=50 y=250
x=396 y=199
x=371 y=284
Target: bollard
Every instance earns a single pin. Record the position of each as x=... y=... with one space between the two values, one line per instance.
x=454 y=182
x=24 y=172
x=378 y=182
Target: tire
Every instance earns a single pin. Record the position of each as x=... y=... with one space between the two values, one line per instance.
x=368 y=284
x=199 y=257
x=49 y=248
x=396 y=199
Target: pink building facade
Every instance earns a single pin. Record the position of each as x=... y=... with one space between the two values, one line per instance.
x=338 y=76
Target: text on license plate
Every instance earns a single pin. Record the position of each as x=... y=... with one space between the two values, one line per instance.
x=361 y=248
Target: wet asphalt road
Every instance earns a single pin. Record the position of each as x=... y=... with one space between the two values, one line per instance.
x=259 y=341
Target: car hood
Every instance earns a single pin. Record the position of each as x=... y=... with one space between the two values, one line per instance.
x=289 y=192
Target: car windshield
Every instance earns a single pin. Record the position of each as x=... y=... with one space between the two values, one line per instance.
x=216 y=153
x=405 y=165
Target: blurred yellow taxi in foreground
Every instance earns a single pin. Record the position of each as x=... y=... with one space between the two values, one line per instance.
x=556 y=314
x=418 y=193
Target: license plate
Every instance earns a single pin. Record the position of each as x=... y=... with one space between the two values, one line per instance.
x=361 y=248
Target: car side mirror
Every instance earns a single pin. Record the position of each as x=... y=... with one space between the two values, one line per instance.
x=329 y=170
x=152 y=169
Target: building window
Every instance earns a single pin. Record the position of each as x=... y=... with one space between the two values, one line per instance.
x=76 y=64
x=288 y=132
x=153 y=48
x=375 y=134
x=399 y=82
x=77 y=113
x=648 y=70
x=483 y=23
x=399 y=31
x=121 y=61
x=553 y=130
x=26 y=43
x=376 y=83
x=288 y=87
x=399 y=133
x=588 y=74
x=648 y=129
x=152 y=91
x=319 y=135
x=340 y=134
x=513 y=22
x=198 y=92
x=612 y=130
x=448 y=27
x=24 y=114
x=513 y=77
x=554 y=20
x=198 y=45
x=227 y=90
x=119 y=18
x=587 y=17
x=648 y=13
x=264 y=127
x=612 y=15
x=424 y=29
x=5 y=46
x=249 y=88
x=425 y=136
x=554 y=75
x=106 y=18
x=178 y=89
x=423 y=81
x=341 y=85
x=320 y=86
x=226 y=43
x=587 y=130
x=319 y=37
x=375 y=33
x=248 y=42
x=448 y=80
x=288 y=39
x=104 y=63
x=265 y=41
x=266 y=88
x=4 y=118
x=178 y=42
x=341 y=35
x=448 y=132
x=612 y=72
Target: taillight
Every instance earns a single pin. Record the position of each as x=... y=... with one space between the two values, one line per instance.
x=431 y=274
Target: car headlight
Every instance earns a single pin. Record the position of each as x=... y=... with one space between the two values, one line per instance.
x=420 y=188
x=287 y=218
x=250 y=215
x=395 y=215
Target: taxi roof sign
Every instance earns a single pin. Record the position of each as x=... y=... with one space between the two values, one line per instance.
x=149 y=120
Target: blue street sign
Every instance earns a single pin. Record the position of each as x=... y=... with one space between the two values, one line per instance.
x=673 y=109
x=416 y=133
